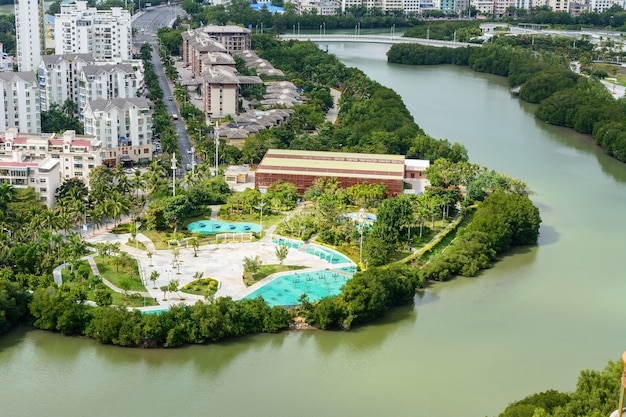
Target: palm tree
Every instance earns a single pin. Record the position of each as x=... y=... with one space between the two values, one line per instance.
x=154 y=275
x=118 y=206
x=7 y=192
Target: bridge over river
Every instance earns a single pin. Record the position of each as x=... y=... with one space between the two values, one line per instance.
x=374 y=39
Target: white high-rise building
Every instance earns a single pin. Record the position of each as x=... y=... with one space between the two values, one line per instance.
x=59 y=76
x=124 y=125
x=108 y=81
x=106 y=34
x=19 y=102
x=29 y=33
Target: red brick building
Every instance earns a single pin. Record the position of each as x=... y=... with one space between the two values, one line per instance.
x=302 y=168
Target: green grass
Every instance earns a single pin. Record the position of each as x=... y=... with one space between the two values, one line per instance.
x=131 y=242
x=205 y=287
x=108 y=271
x=267 y=270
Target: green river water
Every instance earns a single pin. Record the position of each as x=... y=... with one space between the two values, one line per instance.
x=466 y=348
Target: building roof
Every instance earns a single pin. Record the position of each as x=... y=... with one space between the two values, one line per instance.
x=56 y=58
x=417 y=164
x=120 y=103
x=333 y=164
x=99 y=69
x=27 y=76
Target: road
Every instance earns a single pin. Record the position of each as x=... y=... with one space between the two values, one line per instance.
x=147 y=23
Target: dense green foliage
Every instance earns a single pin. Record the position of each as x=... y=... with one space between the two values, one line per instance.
x=595 y=396
x=365 y=298
x=501 y=221
x=13 y=304
x=62 y=310
x=363 y=123
x=565 y=98
x=448 y=30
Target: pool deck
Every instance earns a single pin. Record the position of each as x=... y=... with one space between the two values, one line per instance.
x=223 y=262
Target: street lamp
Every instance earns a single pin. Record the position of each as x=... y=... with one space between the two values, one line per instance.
x=174 y=174
x=137 y=226
x=193 y=161
x=324 y=23
x=393 y=28
x=361 y=221
x=261 y=205
x=216 y=131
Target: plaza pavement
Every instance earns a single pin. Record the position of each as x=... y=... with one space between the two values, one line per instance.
x=223 y=262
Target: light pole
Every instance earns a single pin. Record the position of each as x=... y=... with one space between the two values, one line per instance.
x=298 y=28
x=393 y=28
x=193 y=161
x=174 y=174
x=216 y=131
x=320 y=30
x=261 y=205
x=137 y=226
x=361 y=219
x=324 y=23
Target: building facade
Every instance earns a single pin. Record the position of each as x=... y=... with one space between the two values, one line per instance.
x=76 y=154
x=58 y=77
x=109 y=81
x=106 y=34
x=19 y=102
x=29 y=31
x=124 y=126
x=42 y=176
x=302 y=168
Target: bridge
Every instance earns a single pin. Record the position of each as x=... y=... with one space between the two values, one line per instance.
x=388 y=39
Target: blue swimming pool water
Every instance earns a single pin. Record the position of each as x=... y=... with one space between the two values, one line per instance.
x=287 y=289
x=290 y=243
x=327 y=254
x=211 y=227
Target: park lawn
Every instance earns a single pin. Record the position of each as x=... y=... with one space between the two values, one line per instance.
x=137 y=245
x=267 y=270
x=621 y=79
x=119 y=299
x=108 y=272
x=205 y=287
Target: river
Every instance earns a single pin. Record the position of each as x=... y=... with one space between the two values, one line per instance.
x=468 y=347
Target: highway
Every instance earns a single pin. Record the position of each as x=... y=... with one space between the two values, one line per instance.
x=147 y=22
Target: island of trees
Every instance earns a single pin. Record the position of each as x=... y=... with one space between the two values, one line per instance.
x=540 y=66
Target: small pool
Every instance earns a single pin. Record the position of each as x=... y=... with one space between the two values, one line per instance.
x=327 y=254
x=290 y=243
x=287 y=289
x=212 y=227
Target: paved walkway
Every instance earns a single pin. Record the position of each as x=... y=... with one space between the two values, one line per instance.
x=223 y=262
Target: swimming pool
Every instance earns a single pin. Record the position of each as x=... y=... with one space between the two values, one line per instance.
x=211 y=227
x=287 y=289
x=290 y=243
x=327 y=254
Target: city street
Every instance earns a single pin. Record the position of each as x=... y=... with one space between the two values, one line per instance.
x=147 y=22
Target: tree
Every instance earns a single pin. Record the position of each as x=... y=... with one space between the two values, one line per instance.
x=165 y=289
x=281 y=253
x=102 y=296
x=150 y=254
x=252 y=265
x=154 y=275
x=125 y=284
x=173 y=286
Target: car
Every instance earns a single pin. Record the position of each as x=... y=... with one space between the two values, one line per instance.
x=170 y=98
x=188 y=167
x=189 y=151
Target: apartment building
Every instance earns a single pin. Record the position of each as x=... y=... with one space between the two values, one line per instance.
x=29 y=33
x=106 y=34
x=124 y=126
x=58 y=77
x=108 y=81
x=233 y=38
x=42 y=176
x=76 y=154
x=19 y=102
